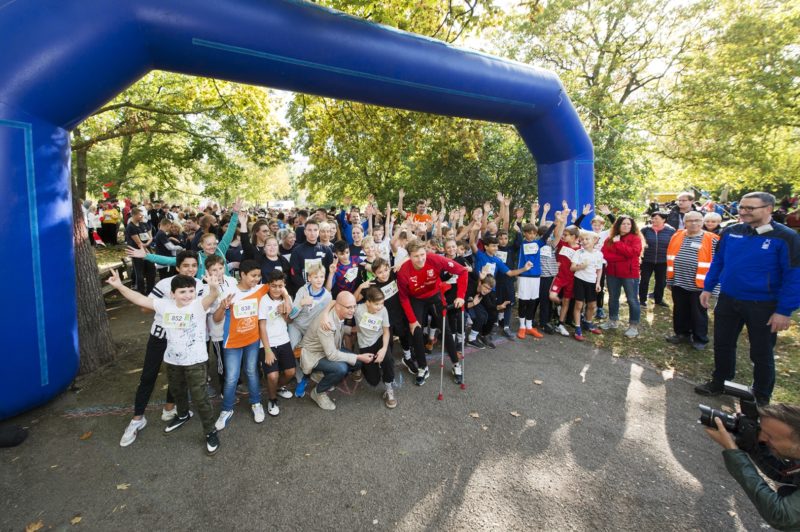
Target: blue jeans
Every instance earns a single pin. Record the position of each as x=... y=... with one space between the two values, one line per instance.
x=631 y=287
x=233 y=362
x=334 y=372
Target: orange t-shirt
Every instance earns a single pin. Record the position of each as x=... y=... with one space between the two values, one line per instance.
x=241 y=319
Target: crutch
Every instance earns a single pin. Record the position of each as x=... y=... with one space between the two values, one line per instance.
x=441 y=360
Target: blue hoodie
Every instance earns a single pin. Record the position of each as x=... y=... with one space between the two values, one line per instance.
x=758 y=266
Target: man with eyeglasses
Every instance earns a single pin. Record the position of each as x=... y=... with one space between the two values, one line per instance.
x=684 y=204
x=321 y=349
x=757 y=268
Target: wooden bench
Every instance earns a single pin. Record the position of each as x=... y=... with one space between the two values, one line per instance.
x=125 y=270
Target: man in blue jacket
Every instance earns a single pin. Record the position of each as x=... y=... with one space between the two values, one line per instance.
x=757 y=266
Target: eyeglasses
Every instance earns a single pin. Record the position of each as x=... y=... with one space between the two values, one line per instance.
x=748 y=208
x=348 y=307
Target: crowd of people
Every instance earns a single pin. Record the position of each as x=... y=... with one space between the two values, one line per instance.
x=314 y=296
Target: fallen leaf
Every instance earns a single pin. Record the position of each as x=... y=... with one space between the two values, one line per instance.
x=474 y=414
x=75 y=520
x=53 y=466
x=485 y=427
x=123 y=486
x=578 y=420
x=538 y=382
x=308 y=454
x=731 y=513
x=374 y=521
x=515 y=414
x=86 y=435
x=33 y=527
x=363 y=492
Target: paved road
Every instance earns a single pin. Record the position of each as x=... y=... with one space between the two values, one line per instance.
x=601 y=444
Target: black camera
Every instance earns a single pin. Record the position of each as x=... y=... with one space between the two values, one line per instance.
x=743 y=421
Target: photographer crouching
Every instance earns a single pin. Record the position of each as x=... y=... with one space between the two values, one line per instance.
x=772 y=443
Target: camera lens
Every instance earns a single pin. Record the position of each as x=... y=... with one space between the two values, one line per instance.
x=708 y=414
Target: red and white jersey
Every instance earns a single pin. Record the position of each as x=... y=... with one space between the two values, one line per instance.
x=425 y=282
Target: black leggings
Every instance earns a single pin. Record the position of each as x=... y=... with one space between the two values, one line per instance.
x=372 y=372
x=422 y=308
x=545 y=305
x=153 y=357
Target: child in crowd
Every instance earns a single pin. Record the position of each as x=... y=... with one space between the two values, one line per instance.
x=215 y=266
x=311 y=299
x=374 y=337
x=483 y=309
x=561 y=291
x=587 y=265
x=279 y=361
x=344 y=271
x=184 y=318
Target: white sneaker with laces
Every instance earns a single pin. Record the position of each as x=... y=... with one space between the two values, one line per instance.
x=258 y=412
x=562 y=330
x=272 y=408
x=222 y=420
x=285 y=393
x=322 y=400
x=610 y=324
x=133 y=428
x=169 y=415
x=632 y=332
x=388 y=398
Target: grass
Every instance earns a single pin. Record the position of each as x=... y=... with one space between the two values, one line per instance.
x=107 y=256
x=695 y=365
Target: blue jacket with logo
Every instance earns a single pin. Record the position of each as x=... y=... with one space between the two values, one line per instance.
x=758 y=265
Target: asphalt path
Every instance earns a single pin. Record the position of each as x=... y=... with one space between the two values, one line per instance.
x=549 y=434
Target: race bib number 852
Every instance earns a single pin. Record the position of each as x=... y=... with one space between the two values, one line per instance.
x=177 y=320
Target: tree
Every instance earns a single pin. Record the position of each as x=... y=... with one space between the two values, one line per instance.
x=735 y=115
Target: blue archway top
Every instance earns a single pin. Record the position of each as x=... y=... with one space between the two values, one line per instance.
x=66 y=58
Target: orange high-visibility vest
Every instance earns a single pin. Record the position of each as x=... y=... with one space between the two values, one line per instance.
x=703 y=255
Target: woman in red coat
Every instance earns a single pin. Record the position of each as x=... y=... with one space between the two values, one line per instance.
x=622 y=251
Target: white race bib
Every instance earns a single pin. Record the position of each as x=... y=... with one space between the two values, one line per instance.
x=308 y=263
x=567 y=252
x=389 y=290
x=245 y=309
x=453 y=279
x=502 y=255
x=490 y=268
x=531 y=248
x=695 y=245
x=177 y=320
x=350 y=275
x=546 y=251
x=371 y=322
x=144 y=237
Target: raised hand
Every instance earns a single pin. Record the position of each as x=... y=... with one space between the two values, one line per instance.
x=237 y=205
x=604 y=210
x=137 y=253
x=587 y=209
x=114 y=280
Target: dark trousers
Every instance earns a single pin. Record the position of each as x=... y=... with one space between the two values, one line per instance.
x=145 y=275
x=186 y=379
x=601 y=295
x=372 y=372
x=433 y=307
x=485 y=315
x=688 y=315
x=660 y=273
x=153 y=357
x=730 y=316
x=545 y=305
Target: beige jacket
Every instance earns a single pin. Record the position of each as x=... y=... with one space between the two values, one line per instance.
x=319 y=344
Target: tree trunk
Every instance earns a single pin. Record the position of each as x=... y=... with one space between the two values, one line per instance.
x=81 y=169
x=94 y=334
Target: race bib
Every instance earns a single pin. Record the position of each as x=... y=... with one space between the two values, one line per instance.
x=177 y=320
x=546 y=251
x=350 y=275
x=273 y=314
x=245 y=309
x=695 y=245
x=453 y=279
x=371 y=322
x=532 y=248
x=389 y=290
x=502 y=255
x=567 y=252
x=308 y=263
x=490 y=268
x=144 y=237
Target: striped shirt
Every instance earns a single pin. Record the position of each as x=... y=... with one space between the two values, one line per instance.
x=686 y=263
x=547 y=256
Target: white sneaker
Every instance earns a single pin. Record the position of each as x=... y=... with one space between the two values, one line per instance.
x=222 y=420
x=322 y=400
x=610 y=324
x=169 y=415
x=272 y=408
x=388 y=398
x=285 y=393
x=133 y=428
x=258 y=413
x=560 y=329
x=632 y=332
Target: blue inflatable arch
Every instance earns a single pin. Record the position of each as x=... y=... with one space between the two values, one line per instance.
x=62 y=59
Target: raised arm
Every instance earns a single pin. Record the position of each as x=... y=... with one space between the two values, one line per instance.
x=131 y=295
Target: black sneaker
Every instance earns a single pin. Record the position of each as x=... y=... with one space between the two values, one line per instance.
x=458 y=373
x=677 y=338
x=487 y=341
x=699 y=346
x=177 y=422
x=549 y=329
x=508 y=334
x=476 y=343
x=709 y=388
x=411 y=365
x=212 y=442
x=422 y=376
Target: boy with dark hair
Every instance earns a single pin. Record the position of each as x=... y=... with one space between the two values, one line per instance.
x=279 y=362
x=343 y=275
x=184 y=318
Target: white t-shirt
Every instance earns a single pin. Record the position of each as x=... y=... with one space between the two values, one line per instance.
x=595 y=261
x=163 y=290
x=370 y=326
x=216 y=329
x=277 y=330
x=186 y=332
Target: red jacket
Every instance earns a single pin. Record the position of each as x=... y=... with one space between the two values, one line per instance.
x=623 y=256
x=424 y=283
